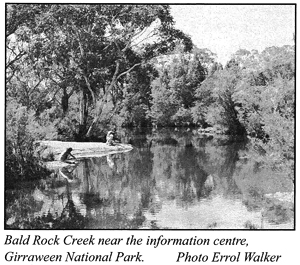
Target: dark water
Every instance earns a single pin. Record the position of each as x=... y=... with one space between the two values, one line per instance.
x=170 y=180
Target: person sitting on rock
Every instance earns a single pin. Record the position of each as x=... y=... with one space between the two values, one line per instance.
x=64 y=157
x=110 y=138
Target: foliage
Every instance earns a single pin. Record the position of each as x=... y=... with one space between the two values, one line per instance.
x=88 y=50
x=183 y=117
x=254 y=95
x=173 y=92
x=136 y=92
x=164 y=103
x=21 y=132
x=73 y=71
x=216 y=99
x=267 y=106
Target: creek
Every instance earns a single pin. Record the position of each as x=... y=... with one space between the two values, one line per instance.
x=172 y=179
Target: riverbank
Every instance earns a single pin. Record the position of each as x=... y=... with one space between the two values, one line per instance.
x=80 y=150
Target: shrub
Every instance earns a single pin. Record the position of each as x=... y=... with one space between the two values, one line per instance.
x=183 y=117
x=20 y=161
x=164 y=104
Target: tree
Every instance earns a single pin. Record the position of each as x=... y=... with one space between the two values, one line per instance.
x=21 y=163
x=91 y=48
x=180 y=74
x=266 y=96
x=164 y=103
x=136 y=97
x=18 y=19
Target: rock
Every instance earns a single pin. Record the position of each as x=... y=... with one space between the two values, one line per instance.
x=81 y=150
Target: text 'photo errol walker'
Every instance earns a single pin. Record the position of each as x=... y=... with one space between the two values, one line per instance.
x=123 y=116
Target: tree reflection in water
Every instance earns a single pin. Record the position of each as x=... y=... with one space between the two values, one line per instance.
x=171 y=179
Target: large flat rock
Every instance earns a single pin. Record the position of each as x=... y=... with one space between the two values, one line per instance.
x=82 y=150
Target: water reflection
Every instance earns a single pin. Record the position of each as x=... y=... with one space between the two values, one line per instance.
x=171 y=179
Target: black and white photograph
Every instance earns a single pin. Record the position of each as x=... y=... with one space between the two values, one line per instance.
x=149 y=116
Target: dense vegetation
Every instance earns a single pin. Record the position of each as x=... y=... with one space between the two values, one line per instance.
x=75 y=70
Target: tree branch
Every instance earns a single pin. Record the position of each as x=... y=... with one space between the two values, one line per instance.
x=34 y=88
x=129 y=70
x=18 y=56
x=90 y=89
x=149 y=35
x=131 y=39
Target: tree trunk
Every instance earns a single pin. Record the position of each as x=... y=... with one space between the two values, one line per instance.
x=97 y=115
x=100 y=104
x=65 y=101
x=113 y=82
x=83 y=113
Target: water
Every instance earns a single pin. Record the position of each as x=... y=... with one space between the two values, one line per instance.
x=170 y=180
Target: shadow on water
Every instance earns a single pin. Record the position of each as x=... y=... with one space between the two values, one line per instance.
x=171 y=179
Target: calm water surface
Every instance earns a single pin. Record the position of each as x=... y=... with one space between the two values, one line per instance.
x=172 y=179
